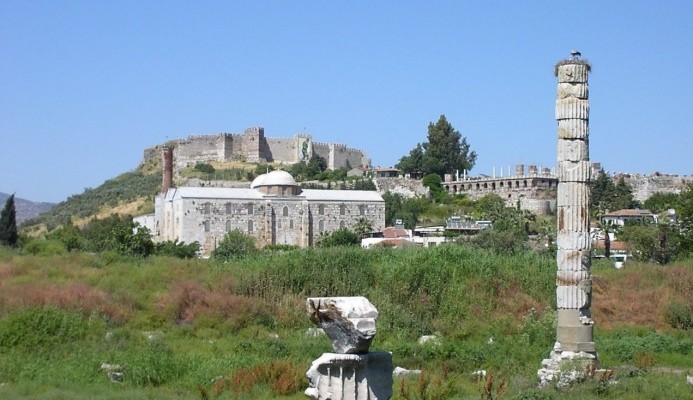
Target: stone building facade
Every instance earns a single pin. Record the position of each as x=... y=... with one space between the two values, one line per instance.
x=273 y=210
x=254 y=146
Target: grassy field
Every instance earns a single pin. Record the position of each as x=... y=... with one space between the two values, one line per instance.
x=184 y=329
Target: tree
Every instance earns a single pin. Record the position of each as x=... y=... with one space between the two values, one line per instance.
x=235 y=244
x=446 y=151
x=363 y=227
x=8 y=223
x=434 y=183
x=605 y=195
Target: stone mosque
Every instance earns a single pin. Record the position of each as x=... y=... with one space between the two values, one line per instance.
x=273 y=210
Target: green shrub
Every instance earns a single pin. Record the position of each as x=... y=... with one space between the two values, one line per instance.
x=42 y=247
x=204 y=168
x=235 y=244
x=37 y=328
x=679 y=315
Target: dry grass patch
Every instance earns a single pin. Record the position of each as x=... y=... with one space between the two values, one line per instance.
x=640 y=295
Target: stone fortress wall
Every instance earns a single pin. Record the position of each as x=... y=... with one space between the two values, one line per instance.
x=645 y=186
x=535 y=190
x=253 y=146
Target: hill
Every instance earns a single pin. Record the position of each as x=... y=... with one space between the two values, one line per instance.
x=26 y=209
x=135 y=187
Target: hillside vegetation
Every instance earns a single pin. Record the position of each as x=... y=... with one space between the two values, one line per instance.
x=236 y=330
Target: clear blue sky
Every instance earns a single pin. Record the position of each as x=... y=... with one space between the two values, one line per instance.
x=85 y=86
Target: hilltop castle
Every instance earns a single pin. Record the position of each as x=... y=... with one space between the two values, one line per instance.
x=253 y=146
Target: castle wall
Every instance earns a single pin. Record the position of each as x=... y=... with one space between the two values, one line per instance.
x=197 y=149
x=645 y=186
x=282 y=150
x=252 y=146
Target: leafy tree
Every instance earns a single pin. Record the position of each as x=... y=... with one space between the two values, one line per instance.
x=8 y=223
x=659 y=202
x=340 y=237
x=651 y=242
x=69 y=235
x=684 y=214
x=434 y=183
x=364 y=184
x=235 y=244
x=408 y=210
x=607 y=195
x=121 y=235
x=445 y=152
x=131 y=239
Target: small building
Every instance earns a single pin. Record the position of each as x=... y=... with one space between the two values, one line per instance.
x=386 y=172
x=621 y=217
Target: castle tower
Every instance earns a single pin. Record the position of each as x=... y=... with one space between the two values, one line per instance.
x=167 y=158
x=252 y=141
x=574 y=337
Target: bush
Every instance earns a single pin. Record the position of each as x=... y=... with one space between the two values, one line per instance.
x=235 y=244
x=679 y=316
x=37 y=328
x=177 y=249
x=340 y=237
x=41 y=247
x=204 y=168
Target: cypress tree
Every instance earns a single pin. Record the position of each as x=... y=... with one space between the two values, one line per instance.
x=8 y=223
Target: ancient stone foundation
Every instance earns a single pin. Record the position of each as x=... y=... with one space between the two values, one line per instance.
x=351 y=372
x=574 y=353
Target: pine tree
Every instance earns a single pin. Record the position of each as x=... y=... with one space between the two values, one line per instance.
x=8 y=224
x=445 y=152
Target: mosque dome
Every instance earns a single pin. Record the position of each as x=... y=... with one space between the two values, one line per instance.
x=280 y=182
x=274 y=178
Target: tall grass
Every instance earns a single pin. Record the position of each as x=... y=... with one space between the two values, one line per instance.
x=199 y=327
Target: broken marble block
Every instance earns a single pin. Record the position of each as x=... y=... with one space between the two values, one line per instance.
x=351 y=377
x=349 y=322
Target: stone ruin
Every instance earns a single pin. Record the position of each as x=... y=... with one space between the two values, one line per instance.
x=351 y=372
x=574 y=354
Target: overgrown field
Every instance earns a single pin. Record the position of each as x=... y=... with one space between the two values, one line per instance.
x=198 y=329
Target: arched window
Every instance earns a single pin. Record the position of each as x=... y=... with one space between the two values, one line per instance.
x=228 y=225
x=362 y=209
x=501 y=185
x=321 y=209
x=251 y=209
x=229 y=208
x=485 y=185
x=207 y=208
x=251 y=226
x=493 y=185
x=525 y=183
x=342 y=209
x=285 y=211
